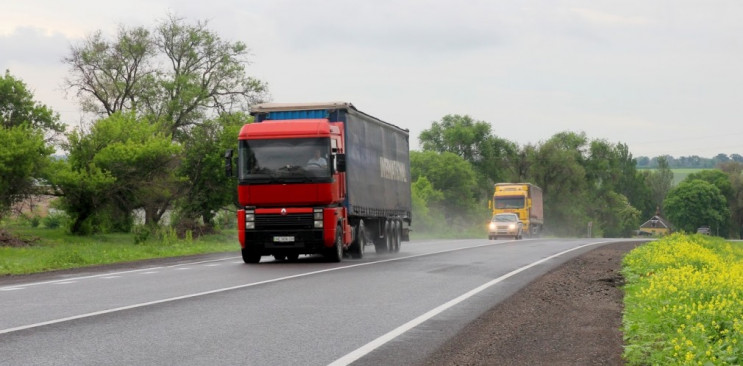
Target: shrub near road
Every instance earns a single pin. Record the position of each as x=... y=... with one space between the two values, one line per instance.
x=684 y=302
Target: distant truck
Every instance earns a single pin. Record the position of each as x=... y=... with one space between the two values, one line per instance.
x=321 y=178
x=523 y=199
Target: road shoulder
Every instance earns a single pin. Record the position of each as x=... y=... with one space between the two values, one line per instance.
x=570 y=316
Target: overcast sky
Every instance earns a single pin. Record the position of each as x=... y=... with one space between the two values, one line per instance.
x=664 y=77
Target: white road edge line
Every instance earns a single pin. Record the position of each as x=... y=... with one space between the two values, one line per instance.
x=371 y=346
x=116 y=273
x=134 y=306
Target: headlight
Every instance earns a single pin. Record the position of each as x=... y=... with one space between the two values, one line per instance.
x=512 y=226
x=317 y=216
x=492 y=226
x=249 y=225
x=250 y=217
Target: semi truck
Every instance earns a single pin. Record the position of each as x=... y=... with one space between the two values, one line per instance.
x=523 y=199
x=320 y=178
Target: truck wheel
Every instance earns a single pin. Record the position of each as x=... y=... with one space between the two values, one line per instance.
x=390 y=238
x=279 y=257
x=250 y=256
x=380 y=244
x=358 y=246
x=398 y=236
x=335 y=254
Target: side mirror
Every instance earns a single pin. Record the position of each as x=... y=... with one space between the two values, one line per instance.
x=340 y=163
x=228 y=162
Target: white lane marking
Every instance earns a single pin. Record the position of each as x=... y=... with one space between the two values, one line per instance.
x=190 y=296
x=65 y=282
x=148 y=270
x=11 y=288
x=183 y=268
x=371 y=346
x=110 y=277
x=213 y=265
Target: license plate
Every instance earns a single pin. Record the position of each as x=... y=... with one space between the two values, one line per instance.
x=283 y=239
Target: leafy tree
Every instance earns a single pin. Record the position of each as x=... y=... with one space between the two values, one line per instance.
x=24 y=153
x=659 y=181
x=17 y=107
x=209 y=189
x=23 y=157
x=716 y=177
x=427 y=205
x=557 y=166
x=455 y=179
x=734 y=172
x=695 y=203
x=474 y=141
x=203 y=74
x=123 y=163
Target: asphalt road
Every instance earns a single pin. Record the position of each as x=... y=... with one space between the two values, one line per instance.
x=383 y=309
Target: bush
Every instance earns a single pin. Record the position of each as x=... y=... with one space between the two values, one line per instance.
x=55 y=220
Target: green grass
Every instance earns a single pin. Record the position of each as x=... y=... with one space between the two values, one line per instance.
x=683 y=302
x=56 y=249
x=681 y=173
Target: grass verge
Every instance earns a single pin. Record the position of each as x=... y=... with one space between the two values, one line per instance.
x=53 y=249
x=684 y=302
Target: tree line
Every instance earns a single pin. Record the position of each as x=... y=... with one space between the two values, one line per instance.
x=168 y=101
x=583 y=180
x=692 y=161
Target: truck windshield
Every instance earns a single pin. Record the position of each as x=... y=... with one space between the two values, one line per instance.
x=284 y=160
x=509 y=202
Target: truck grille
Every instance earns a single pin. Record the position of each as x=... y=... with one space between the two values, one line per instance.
x=291 y=221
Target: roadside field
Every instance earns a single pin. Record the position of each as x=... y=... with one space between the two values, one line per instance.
x=683 y=302
x=54 y=249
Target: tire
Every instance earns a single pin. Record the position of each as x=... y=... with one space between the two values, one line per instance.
x=335 y=254
x=279 y=257
x=358 y=246
x=380 y=244
x=250 y=256
x=398 y=236
x=389 y=237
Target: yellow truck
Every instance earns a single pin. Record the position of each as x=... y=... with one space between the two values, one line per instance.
x=522 y=199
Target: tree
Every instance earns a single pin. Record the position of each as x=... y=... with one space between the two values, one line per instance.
x=17 y=107
x=734 y=172
x=454 y=178
x=24 y=153
x=209 y=189
x=659 y=181
x=695 y=203
x=204 y=75
x=474 y=141
x=427 y=205
x=22 y=159
x=123 y=163
x=557 y=167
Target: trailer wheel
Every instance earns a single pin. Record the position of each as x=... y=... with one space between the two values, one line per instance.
x=335 y=254
x=380 y=244
x=398 y=236
x=390 y=237
x=250 y=256
x=357 y=248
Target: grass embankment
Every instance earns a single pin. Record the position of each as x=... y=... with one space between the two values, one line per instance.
x=54 y=249
x=684 y=302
